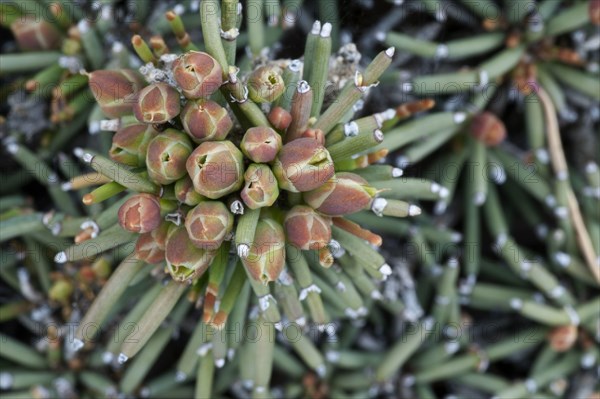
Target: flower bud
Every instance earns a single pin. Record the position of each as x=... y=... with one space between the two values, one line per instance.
x=594 y=12
x=166 y=156
x=261 y=144
x=130 y=144
x=113 y=90
x=150 y=247
x=157 y=103
x=185 y=193
x=197 y=74
x=33 y=34
x=140 y=213
x=205 y=120
x=562 y=338
x=261 y=187
x=185 y=261
x=303 y=165
x=315 y=134
x=487 y=128
x=266 y=257
x=265 y=84
x=216 y=168
x=280 y=118
x=208 y=224
x=61 y=290
x=343 y=194
x=306 y=229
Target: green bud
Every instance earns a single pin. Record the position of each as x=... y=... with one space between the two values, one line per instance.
x=185 y=261
x=197 y=74
x=266 y=257
x=34 y=34
x=140 y=213
x=130 y=144
x=303 y=165
x=205 y=120
x=216 y=168
x=209 y=224
x=306 y=229
x=185 y=193
x=261 y=144
x=343 y=194
x=61 y=291
x=261 y=187
x=150 y=247
x=166 y=156
x=265 y=84
x=114 y=89
x=157 y=103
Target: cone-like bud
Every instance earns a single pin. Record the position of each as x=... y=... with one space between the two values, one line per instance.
x=303 y=165
x=166 y=156
x=261 y=144
x=130 y=144
x=185 y=261
x=265 y=84
x=267 y=253
x=113 y=90
x=487 y=128
x=150 y=247
x=306 y=229
x=140 y=213
x=205 y=120
x=34 y=34
x=261 y=187
x=343 y=194
x=198 y=74
x=280 y=118
x=208 y=224
x=157 y=103
x=216 y=168
x=185 y=193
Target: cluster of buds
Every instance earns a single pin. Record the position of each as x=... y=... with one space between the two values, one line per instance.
x=229 y=165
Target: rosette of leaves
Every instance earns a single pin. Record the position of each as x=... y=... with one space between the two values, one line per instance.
x=242 y=181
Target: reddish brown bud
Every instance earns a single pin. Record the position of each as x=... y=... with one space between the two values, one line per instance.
x=280 y=118
x=343 y=194
x=185 y=193
x=157 y=103
x=205 y=120
x=130 y=144
x=198 y=74
x=185 y=261
x=150 y=247
x=265 y=84
x=261 y=144
x=261 y=188
x=140 y=213
x=208 y=224
x=113 y=90
x=32 y=33
x=594 y=12
x=166 y=156
x=315 y=134
x=487 y=128
x=563 y=338
x=306 y=229
x=216 y=168
x=303 y=165
x=266 y=257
